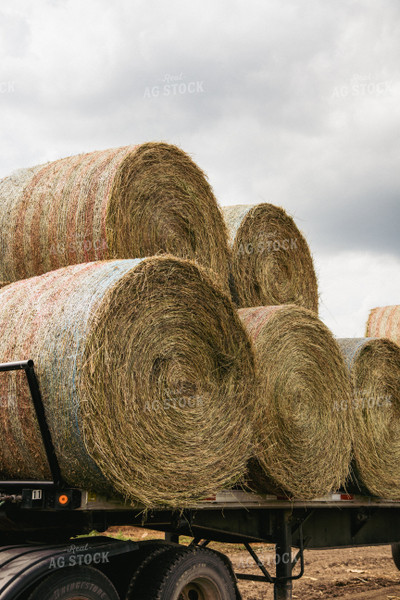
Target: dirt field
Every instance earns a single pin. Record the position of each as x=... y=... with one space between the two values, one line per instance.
x=351 y=574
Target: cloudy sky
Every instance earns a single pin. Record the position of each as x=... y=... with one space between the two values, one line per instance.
x=296 y=103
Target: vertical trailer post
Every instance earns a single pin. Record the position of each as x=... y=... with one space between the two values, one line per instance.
x=283 y=556
x=172 y=538
x=29 y=368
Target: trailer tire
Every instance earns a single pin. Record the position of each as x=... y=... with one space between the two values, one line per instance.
x=82 y=583
x=190 y=573
x=143 y=557
x=396 y=554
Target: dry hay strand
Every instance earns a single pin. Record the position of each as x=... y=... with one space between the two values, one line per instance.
x=128 y=202
x=384 y=322
x=146 y=373
x=271 y=263
x=374 y=365
x=303 y=445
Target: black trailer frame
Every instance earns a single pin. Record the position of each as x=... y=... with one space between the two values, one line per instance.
x=35 y=510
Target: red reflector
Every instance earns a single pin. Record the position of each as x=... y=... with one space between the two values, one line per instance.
x=346 y=497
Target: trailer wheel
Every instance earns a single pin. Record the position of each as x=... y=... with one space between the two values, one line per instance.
x=143 y=557
x=184 y=574
x=75 y=583
x=396 y=554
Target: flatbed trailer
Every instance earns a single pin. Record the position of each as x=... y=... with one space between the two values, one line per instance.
x=41 y=559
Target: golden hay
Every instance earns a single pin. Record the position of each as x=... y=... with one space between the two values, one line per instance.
x=303 y=444
x=271 y=262
x=384 y=322
x=128 y=202
x=146 y=373
x=374 y=365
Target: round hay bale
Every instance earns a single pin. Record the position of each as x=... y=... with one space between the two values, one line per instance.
x=303 y=445
x=374 y=365
x=128 y=202
x=146 y=374
x=384 y=322
x=271 y=263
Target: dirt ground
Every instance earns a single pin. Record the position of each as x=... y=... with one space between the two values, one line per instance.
x=347 y=574
x=350 y=574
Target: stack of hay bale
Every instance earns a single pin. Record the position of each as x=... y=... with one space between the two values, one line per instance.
x=301 y=378
x=302 y=443
x=145 y=369
x=178 y=354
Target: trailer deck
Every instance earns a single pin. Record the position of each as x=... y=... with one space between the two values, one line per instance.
x=49 y=512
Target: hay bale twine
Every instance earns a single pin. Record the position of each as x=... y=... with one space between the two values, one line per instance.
x=146 y=374
x=374 y=365
x=384 y=322
x=271 y=263
x=128 y=202
x=303 y=446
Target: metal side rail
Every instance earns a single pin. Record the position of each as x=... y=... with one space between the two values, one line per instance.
x=39 y=494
